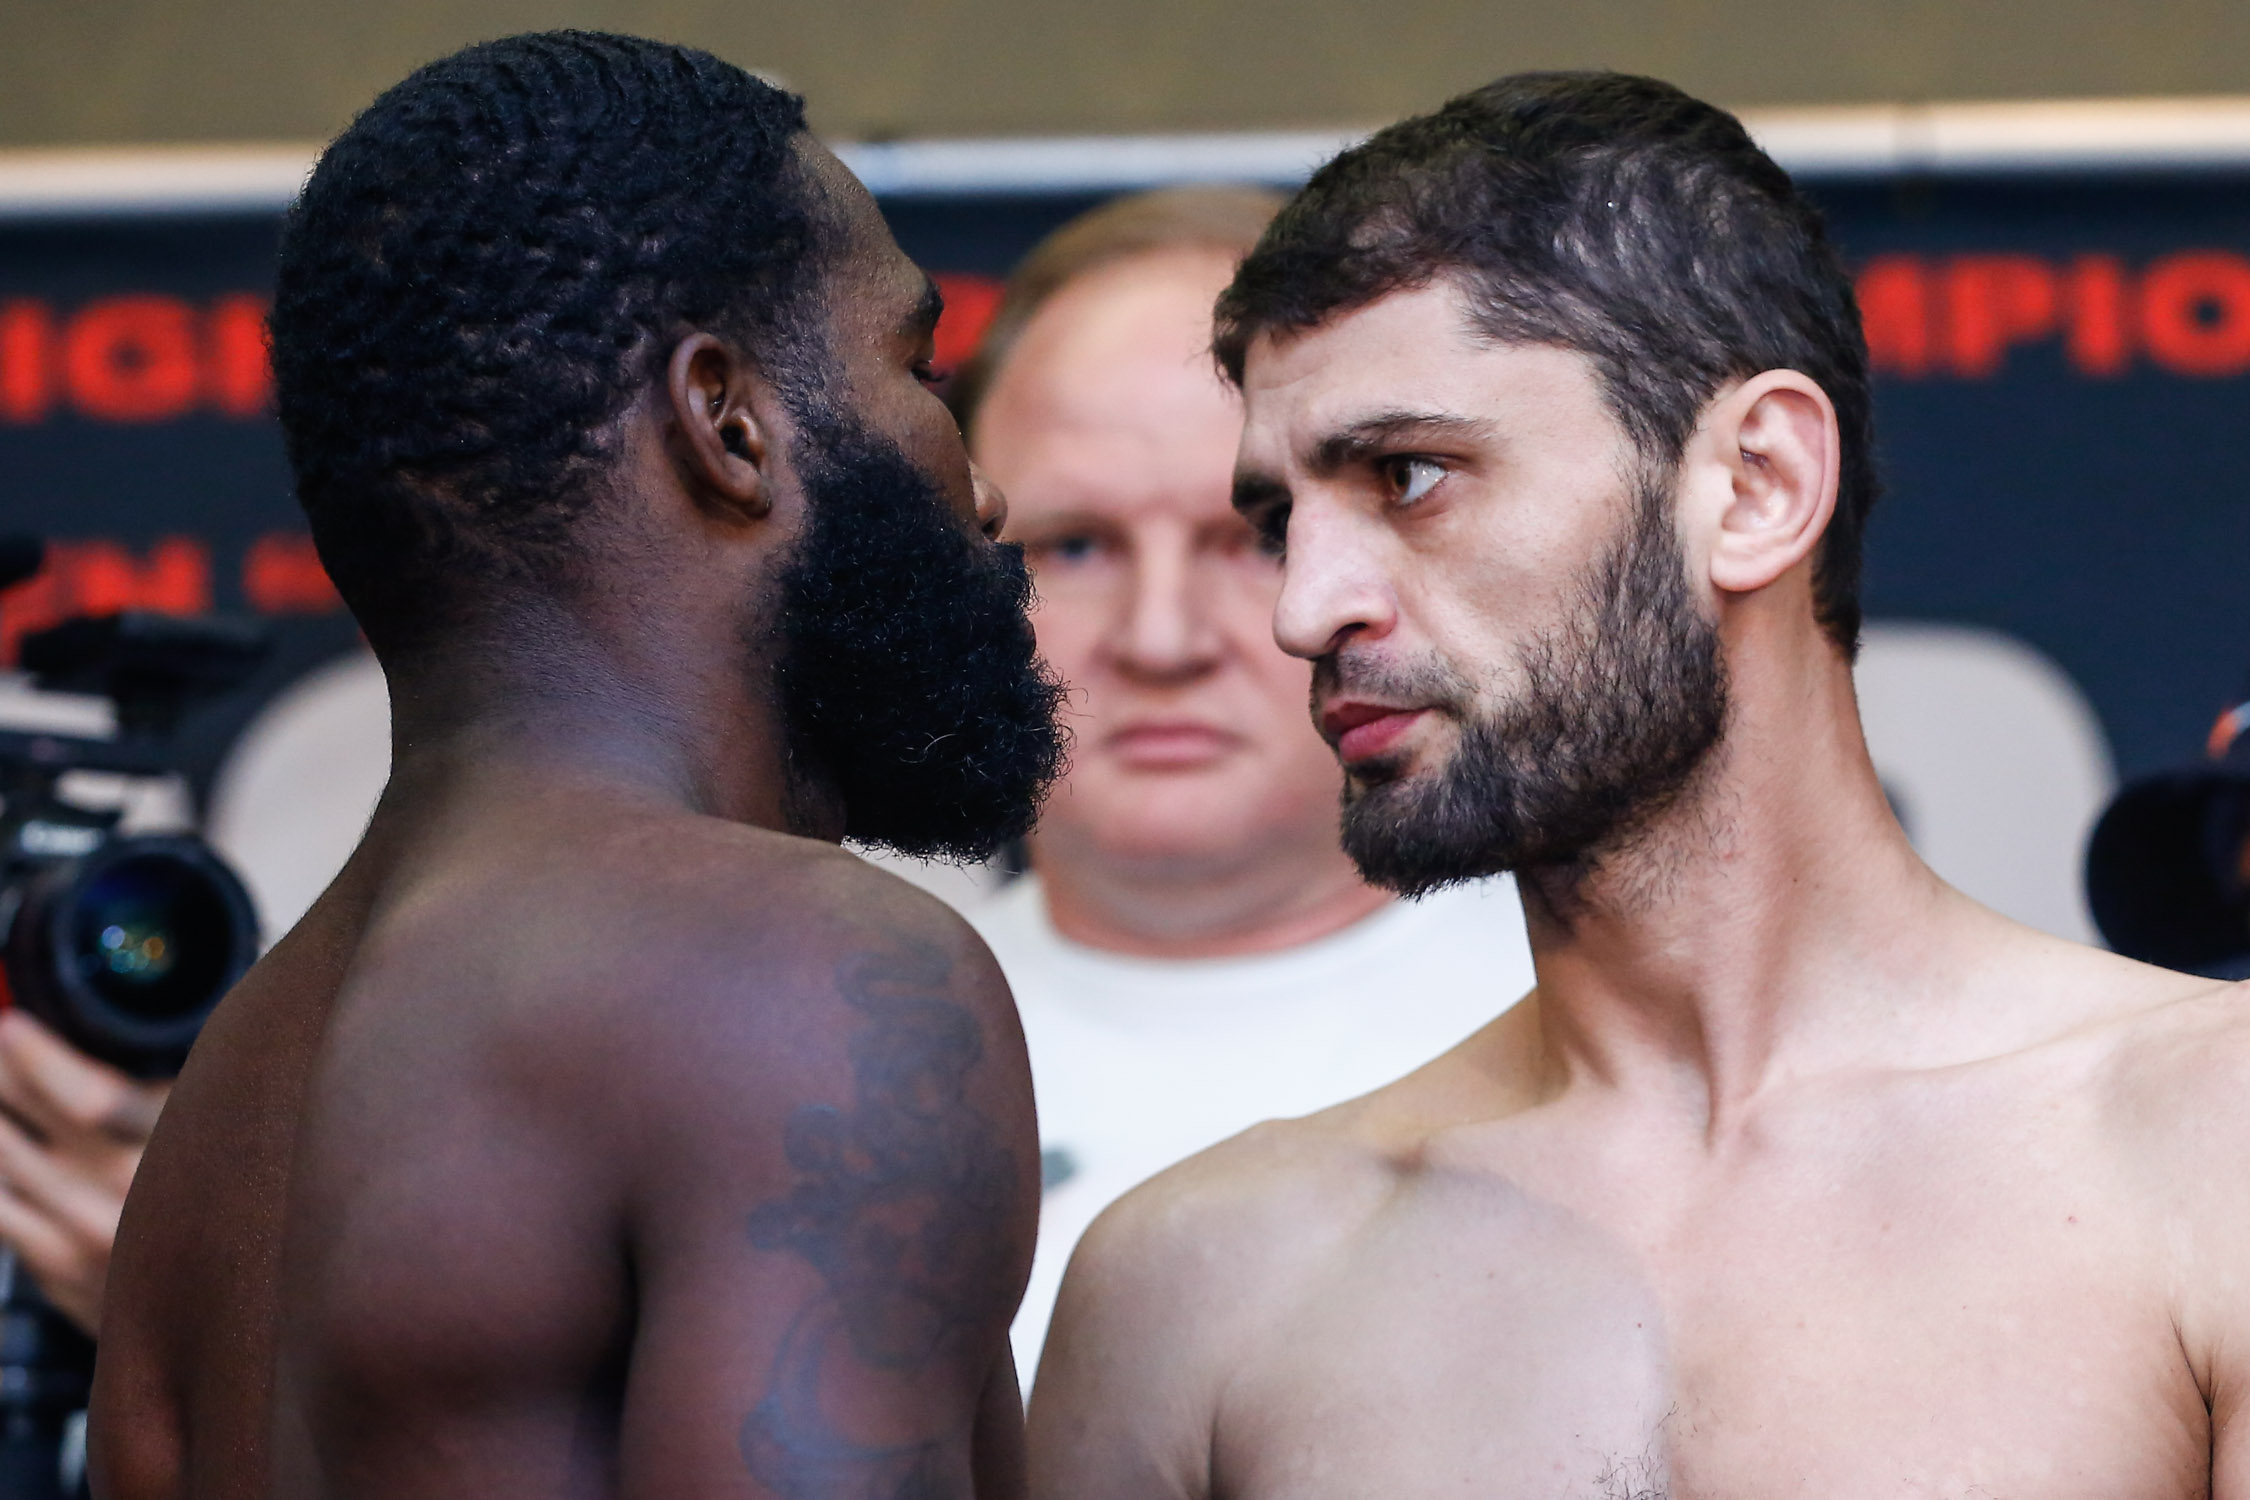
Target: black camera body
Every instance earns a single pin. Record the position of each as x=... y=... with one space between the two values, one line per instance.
x=122 y=943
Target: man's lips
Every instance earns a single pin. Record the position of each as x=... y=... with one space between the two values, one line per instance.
x=1158 y=744
x=1362 y=731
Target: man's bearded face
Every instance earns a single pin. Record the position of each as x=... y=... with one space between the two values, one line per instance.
x=909 y=679
x=1619 y=705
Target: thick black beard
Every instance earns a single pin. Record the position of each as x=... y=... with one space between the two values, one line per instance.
x=1620 y=707
x=909 y=679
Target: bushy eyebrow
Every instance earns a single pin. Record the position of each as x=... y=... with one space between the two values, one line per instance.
x=1385 y=432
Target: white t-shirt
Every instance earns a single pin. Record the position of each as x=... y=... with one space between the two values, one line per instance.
x=1140 y=1062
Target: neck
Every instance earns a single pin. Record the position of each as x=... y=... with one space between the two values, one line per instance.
x=1772 y=922
x=553 y=704
x=1255 y=901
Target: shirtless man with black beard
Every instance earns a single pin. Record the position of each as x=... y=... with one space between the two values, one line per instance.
x=606 y=1130
x=1799 y=1173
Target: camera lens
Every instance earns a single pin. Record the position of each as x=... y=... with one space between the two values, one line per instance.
x=151 y=935
x=127 y=950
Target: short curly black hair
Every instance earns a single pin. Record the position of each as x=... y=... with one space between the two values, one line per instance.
x=484 y=271
x=1600 y=212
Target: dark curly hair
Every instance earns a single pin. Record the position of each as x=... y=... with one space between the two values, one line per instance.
x=483 y=272
x=1600 y=212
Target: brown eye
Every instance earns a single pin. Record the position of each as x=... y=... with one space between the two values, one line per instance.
x=1412 y=477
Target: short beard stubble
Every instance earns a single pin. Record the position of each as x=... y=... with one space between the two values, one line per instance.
x=1621 y=705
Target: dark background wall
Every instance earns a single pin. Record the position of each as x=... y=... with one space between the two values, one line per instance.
x=170 y=70
x=2063 y=365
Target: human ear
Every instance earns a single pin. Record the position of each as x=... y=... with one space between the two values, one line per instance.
x=722 y=446
x=1775 y=439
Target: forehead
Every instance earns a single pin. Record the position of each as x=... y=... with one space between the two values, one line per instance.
x=864 y=260
x=1110 y=401
x=1112 y=387
x=1413 y=351
x=1123 y=330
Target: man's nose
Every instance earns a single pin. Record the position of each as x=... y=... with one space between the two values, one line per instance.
x=1164 y=630
x=1331 y=588
x=992 y=506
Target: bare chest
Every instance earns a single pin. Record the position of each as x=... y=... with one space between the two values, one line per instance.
x=1980 y=1328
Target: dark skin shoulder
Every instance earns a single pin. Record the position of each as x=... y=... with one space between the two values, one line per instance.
x=592 y=1137
x=839 y=1203
x=725 y=1175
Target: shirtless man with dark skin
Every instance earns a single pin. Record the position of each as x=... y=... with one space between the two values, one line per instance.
x=606 y=1130
x=1799 y=1173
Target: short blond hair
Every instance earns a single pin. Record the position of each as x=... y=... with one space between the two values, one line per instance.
x=1225 y=218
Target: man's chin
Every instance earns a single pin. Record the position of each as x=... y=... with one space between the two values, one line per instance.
x=1196 y=820
x=1404 y=836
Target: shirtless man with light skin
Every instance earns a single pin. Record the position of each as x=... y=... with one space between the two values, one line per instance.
x=1799 y=1174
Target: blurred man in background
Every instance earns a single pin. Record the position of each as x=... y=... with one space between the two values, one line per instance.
x=1192 y=951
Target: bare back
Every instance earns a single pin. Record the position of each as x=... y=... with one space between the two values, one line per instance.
x=532 y=1163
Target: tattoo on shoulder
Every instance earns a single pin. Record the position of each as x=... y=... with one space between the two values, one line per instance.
x=895 y=1203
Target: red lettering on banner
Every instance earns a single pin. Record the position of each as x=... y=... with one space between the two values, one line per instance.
x=2195 y=313
x=140 y=358
x=1894 y=307
x=2187 y=313
x=132 y=359
x=282 y=575
x=241 y=375
x=970 y=302
x=27 y=337
x=2097 y=333
x=102 y=577
x=1992 y=303
x=175 y=577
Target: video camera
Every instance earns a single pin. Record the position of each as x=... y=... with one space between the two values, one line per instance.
x=123 y=943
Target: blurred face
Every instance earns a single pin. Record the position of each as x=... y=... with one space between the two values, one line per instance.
x=1509 y=658
x=1114 y=438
